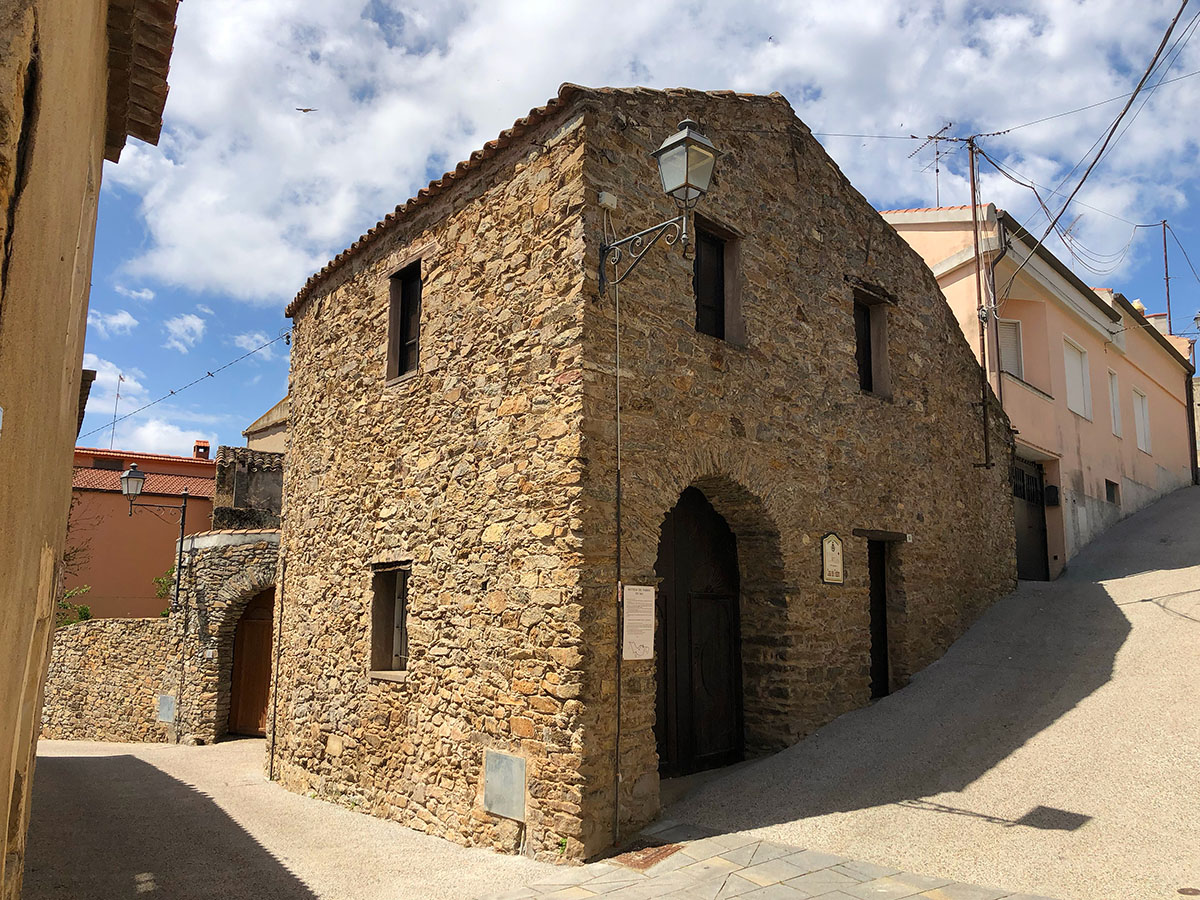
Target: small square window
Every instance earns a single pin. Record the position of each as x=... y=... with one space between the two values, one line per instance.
x=404 y=321
x=389 y=620
x=1112 y=491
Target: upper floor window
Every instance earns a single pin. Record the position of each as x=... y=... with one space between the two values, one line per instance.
x=1079 y=384
x=871 y=344
x=1114 y=402
x=404 y=321
x=709 y=281
x=1141 y=419
x=1009 y=340
x=716 y=282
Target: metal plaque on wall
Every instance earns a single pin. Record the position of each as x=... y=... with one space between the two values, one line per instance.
x=166 y=708
x=832 y=567
x=504 y=784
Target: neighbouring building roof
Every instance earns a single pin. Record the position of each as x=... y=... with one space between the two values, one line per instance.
x=256 y=460
x=276 y=415
x=196 y=476
x=140 y=37
x=89 y=479
x=567 y=93
x=85 y=390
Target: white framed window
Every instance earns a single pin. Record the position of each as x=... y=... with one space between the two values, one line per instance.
x=1008 y=337
x=1114 y=401
x=1079 y=383
x=1141 y=419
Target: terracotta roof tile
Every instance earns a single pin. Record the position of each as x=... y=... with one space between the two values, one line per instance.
x=89 y=479
x=883 y=212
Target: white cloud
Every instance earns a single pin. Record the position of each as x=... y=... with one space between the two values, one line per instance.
x=206 y=310
x=183 y=331
x=102 y=398
x=402 y=94
x=107 y=324
x=144 y=294
x=159 y=436
x=252 y=340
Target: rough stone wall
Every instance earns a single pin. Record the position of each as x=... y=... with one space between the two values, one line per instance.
x=469 y=470
x=776 y=432
x=105 y=678
x=248 y=491
x=106 y=674
x=222 y=572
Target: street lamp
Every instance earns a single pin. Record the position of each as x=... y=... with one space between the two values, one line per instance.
x=685 y=167
x=132 y=482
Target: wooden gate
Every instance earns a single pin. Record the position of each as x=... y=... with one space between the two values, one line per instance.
x=251 y=677
x=697 y=641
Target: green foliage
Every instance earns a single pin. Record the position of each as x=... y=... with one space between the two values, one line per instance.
x=69 y=613
x=164 y=584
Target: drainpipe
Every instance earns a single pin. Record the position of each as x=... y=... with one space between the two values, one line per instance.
x=1189 y=391
x=275 y=670
x=1003 y=234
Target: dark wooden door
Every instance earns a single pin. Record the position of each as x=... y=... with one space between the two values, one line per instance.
x=1029 y=513
x=697 y=641
x=251 y=680
x=877 y=568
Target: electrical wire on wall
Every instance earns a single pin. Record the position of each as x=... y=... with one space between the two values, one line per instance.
x=609 y=235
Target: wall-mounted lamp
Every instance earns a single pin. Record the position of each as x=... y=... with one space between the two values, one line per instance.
x=686 y=161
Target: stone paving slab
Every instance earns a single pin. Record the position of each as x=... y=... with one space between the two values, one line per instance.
x=725 y=866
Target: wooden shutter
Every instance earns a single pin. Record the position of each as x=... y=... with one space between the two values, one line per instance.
x=862 y=345
x=1009 y=338
x=1075 y=361
x=709 y=282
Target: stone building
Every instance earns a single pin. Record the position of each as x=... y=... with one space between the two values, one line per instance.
x=76 y=80
x=449 y=636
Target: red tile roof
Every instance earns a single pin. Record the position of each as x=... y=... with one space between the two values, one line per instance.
x=926 y=209
x=129 y=454
x=89 y=479
x=567 y=92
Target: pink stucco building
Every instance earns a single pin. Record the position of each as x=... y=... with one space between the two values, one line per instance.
x=1100 y=398
x=118 y=556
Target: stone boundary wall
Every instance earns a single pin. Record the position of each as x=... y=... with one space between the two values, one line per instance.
x=105 y=677
x=222 y=571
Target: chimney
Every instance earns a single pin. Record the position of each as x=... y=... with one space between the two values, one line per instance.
x=200 y=450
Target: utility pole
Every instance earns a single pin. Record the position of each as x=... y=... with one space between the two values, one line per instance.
x=981 y=311
x=1167 y=277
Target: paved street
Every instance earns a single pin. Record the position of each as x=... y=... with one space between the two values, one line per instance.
x=1052 y=752
x=1054 y=749
x=119 y=820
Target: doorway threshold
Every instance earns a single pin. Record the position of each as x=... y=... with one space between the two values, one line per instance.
x=672 y=790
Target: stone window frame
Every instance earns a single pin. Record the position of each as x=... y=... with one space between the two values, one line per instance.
x=732 y=240
x=393 y=373
x=875 y=301
x=389 y=612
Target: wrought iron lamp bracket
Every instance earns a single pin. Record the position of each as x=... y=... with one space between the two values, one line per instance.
x=635 y=246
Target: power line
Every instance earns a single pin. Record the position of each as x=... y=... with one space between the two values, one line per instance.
x=1071 y=112
x=1107 y=139
x=1184 y=252
x=287 y=335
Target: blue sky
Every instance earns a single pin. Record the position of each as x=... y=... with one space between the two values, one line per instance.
x=202 y=240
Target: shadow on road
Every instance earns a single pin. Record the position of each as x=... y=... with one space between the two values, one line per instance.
x=1031 y=658
x=113 y=826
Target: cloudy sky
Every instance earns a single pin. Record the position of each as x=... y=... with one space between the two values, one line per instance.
x=203 y=239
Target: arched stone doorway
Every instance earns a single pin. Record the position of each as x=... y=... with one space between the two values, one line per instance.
x=250 y=681
x=698 y=721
